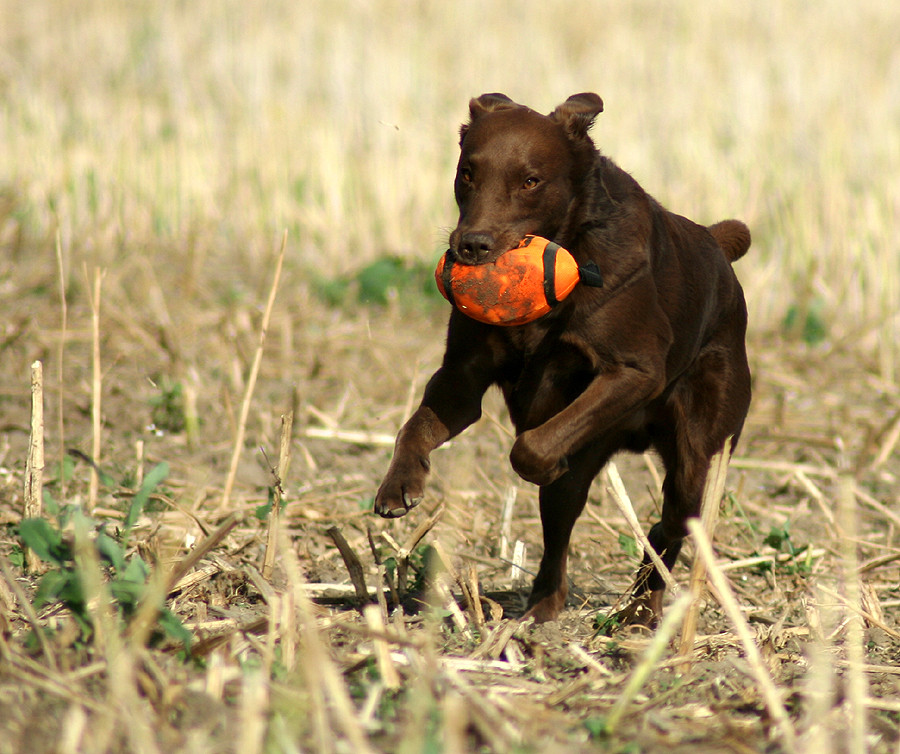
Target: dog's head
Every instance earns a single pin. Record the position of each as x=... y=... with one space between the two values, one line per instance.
x=519 y=172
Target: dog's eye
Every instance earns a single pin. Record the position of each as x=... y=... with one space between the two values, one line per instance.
x=531 y=182
x=466 y=175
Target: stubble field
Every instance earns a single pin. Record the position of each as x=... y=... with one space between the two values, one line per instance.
x=155 y=156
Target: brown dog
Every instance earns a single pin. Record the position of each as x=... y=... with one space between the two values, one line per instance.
x=655 y=357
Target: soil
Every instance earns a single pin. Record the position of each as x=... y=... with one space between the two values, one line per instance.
x=817 y=460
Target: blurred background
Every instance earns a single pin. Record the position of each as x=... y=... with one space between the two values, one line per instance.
x=196 y=132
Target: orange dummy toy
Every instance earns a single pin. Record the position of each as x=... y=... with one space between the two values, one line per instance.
x=518 y=287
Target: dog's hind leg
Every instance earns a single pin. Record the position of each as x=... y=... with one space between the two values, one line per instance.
x=561 y=503
x=706 y=408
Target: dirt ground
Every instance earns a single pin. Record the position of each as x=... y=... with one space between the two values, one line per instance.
x=818 y=458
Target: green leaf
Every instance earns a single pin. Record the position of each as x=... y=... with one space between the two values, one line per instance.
x=262 y=511
x=137 y=570
x=174 y=628
x=629 y=545
x=167 y=409
x=378 y=278
x=110 y=550
x=332 y=292
x=814 y=331
x=605 y=625
x=423 y=274
x=126 y=593
x=808 y=322
x=596 y=726
x=58 y=585
x=778 y=537
x=17 y=556
x=51 y=507
x=153 y=477
x=45 y=541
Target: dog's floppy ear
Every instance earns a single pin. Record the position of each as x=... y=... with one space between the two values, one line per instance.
x=577 y=113
x=486 y=103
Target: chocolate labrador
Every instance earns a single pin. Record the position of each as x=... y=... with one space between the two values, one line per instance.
x=652 y=358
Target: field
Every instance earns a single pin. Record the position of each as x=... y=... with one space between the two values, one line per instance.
x=216 y=217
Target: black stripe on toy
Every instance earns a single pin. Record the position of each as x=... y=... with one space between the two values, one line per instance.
x=445 y=276
x=549 y=259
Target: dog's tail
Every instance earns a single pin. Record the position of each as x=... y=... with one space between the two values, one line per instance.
x=733 y=237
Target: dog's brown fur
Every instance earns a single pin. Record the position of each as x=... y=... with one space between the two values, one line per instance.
x=655 y=357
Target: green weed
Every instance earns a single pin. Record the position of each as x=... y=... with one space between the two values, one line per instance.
x=808 y=322
x=167 y=406
x=386 y=279
x=629 y=546
x=779 y=538
x=127 y=574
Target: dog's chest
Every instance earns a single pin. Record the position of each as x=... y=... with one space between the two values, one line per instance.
x=541 y=378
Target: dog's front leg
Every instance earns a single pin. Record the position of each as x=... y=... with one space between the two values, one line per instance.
x=451 y=402
x=539 y=455
x=444 y=412
x=404 y=484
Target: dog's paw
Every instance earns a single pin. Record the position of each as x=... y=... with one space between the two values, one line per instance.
x=395 y=506
x=533 y=466
x=643 y=611
x=547 y=609
x=402 y=489
x=395 y=500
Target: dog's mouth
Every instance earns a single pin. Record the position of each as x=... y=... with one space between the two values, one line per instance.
x=473 y=260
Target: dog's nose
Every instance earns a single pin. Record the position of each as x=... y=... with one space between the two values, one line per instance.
x=475 y=247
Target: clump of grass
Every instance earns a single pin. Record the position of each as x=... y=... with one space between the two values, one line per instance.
x=386 y=279
x=126 y=573
x=167 y=410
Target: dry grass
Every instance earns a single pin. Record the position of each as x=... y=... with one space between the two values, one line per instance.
x=164 y=148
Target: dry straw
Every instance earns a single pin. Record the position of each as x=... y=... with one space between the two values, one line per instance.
x=713 y=490
x=280 y=473
x=335 y=710
x=648 y=662
x=767 y=686
x=34 y=464
x=623 y=501
x=96 y=389
x=856 y=682
x=251 y=381
x=61 y=352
